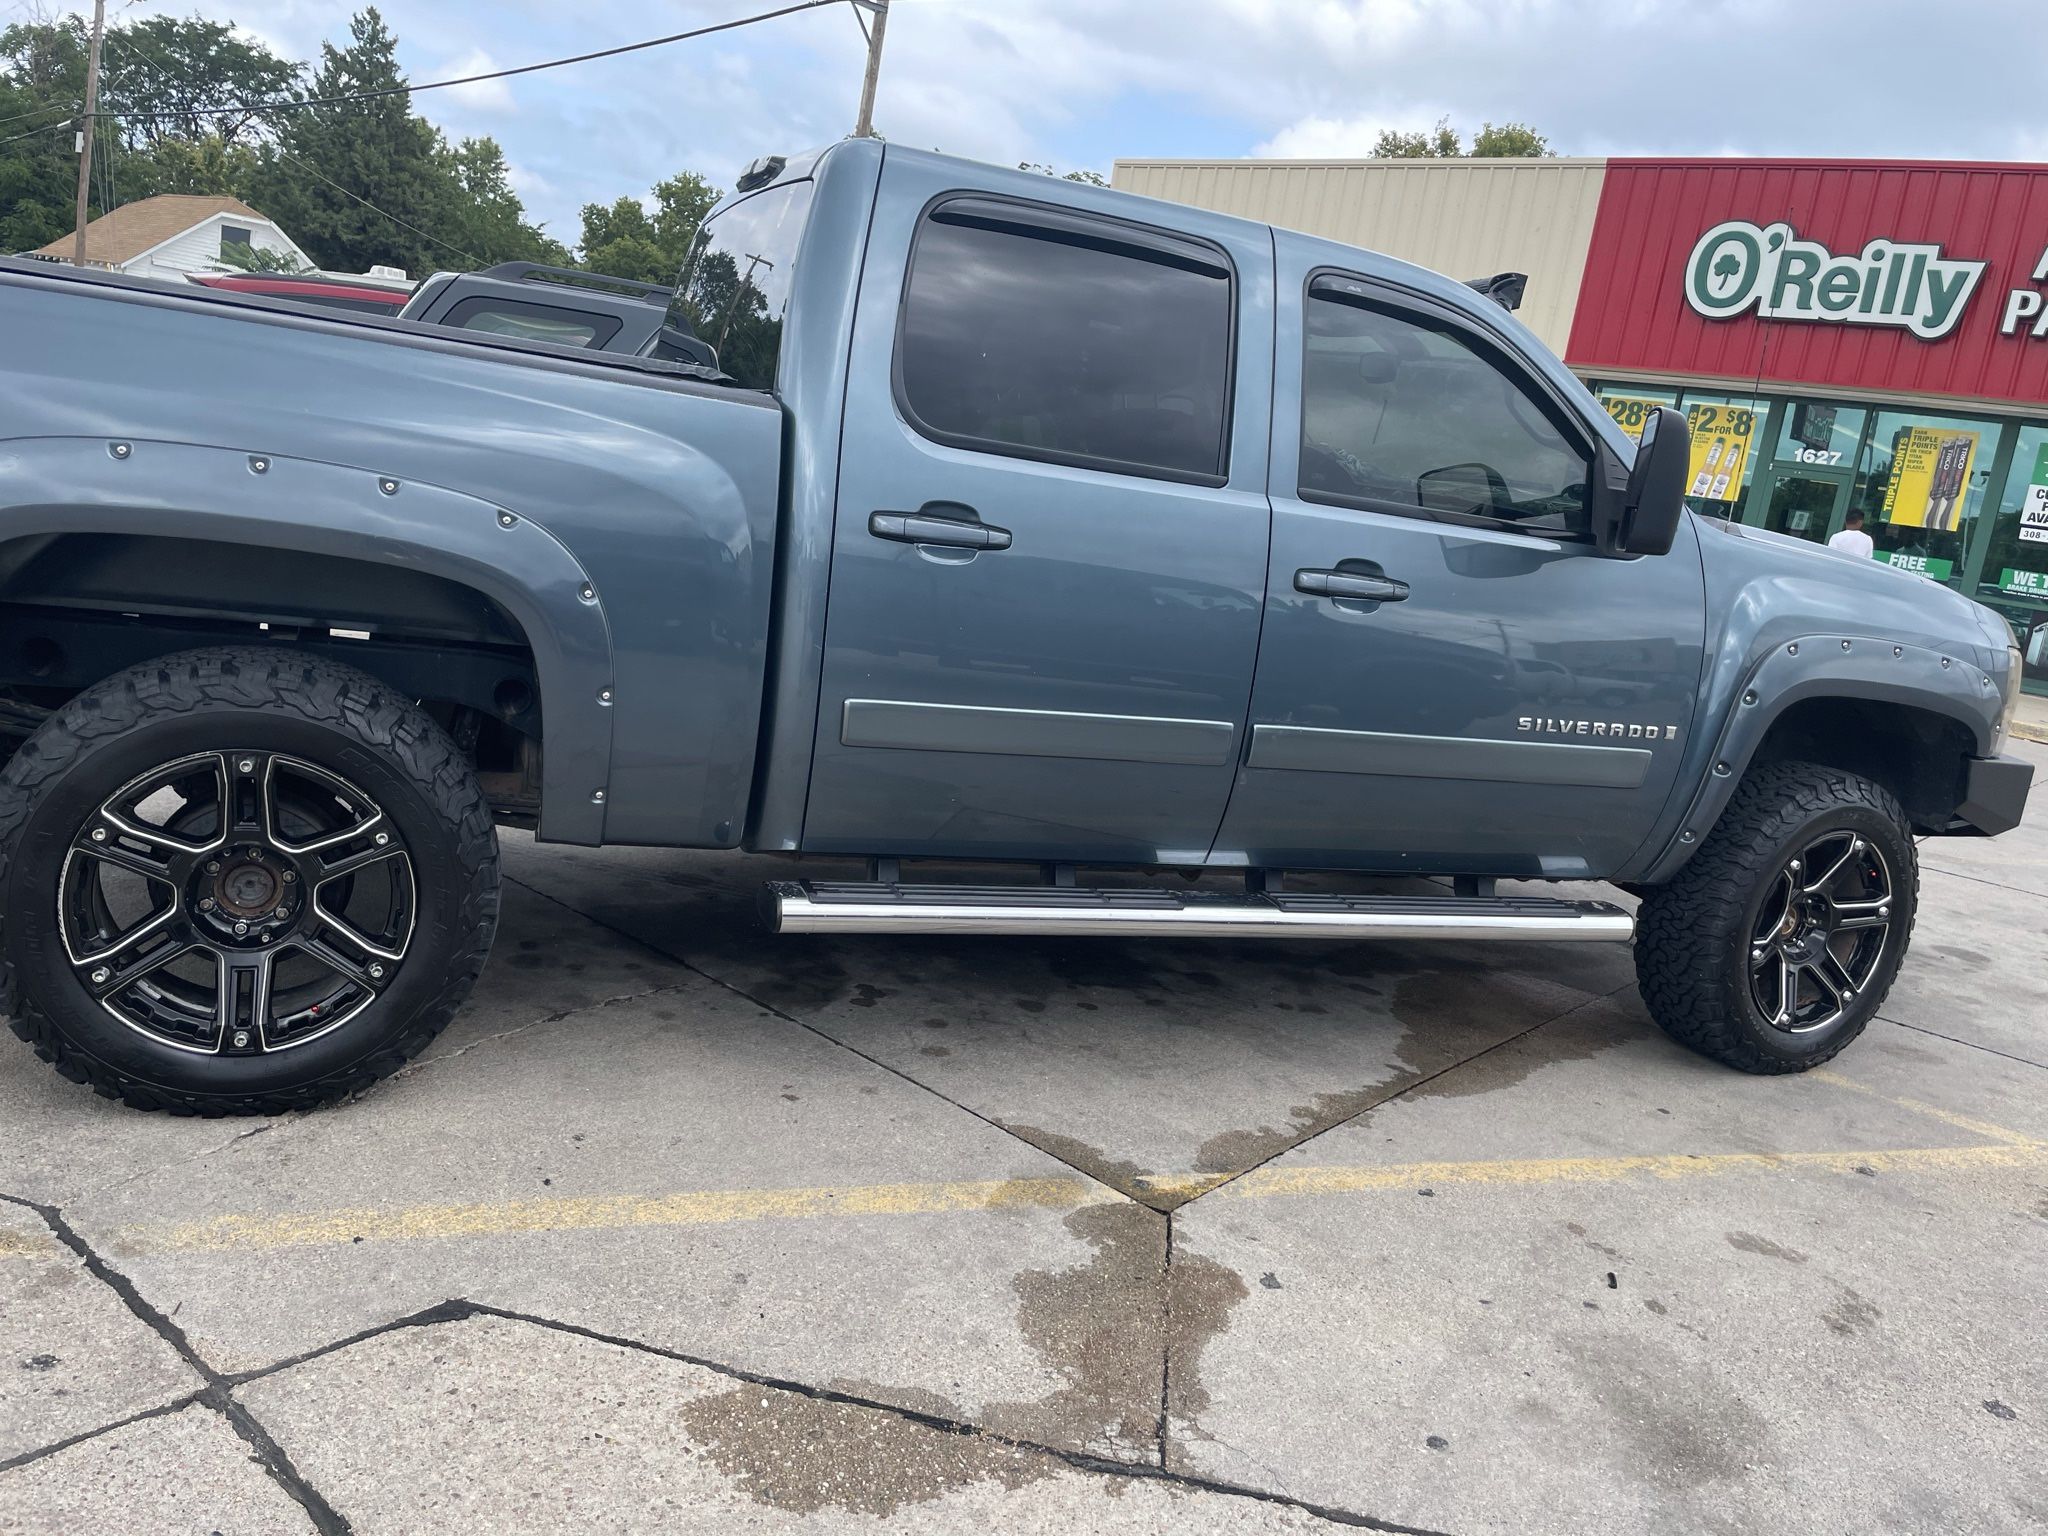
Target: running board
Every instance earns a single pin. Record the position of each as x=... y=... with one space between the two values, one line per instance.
x=868 y=907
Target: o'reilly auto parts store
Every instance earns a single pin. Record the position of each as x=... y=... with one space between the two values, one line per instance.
x=1841 y=333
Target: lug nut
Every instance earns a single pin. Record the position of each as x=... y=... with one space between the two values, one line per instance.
x=213 y=866
x=99 y=834
x=241 y=929
x=376 y=972
x=284 y=911
x=247 y=765
x=241 y=1039
x=289 y=876
x=99 y=977
x=206 y=903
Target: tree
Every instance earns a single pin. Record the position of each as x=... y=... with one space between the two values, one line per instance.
x=621 y=239
x=42 y=83
x=208 y=165
x=356 y=183
x=488 y=217
x=164 y=64
x=1508 y=141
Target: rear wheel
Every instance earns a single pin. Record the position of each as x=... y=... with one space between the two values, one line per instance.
x=240 y=881
x=1776 y=944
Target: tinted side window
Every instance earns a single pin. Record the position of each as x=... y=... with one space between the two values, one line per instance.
x=1055 y=337
x=533 y=322
x=1406 y=414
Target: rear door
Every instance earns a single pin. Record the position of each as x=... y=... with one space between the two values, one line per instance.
x=1050 y=545
x=1454 y=678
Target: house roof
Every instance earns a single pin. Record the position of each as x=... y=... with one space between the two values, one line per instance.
x=140 y=226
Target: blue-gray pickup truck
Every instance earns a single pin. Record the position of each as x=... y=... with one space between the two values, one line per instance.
x=1025 y=525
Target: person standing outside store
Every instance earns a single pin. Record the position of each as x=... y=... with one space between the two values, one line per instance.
x=1852 y=541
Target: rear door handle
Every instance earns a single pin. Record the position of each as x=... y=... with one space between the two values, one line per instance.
x=1351 y=584
x=923 y=527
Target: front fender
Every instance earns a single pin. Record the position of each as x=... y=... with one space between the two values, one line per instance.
x=69 y=485
x=1943 y=682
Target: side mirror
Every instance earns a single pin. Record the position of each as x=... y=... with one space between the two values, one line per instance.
x=1655 y=499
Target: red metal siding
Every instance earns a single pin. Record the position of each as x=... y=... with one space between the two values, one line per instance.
x=1632 y=312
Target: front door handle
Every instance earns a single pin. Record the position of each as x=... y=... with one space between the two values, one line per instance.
x=948 y=532
x=1352 y=584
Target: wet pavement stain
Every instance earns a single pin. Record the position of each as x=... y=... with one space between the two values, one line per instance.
x=1202 y=1294
x=804 y=1455
x=1097 y=1326
x=1123 y=1176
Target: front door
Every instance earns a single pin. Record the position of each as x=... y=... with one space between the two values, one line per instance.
x=1804 y=504
x=1454 y=679
x=1050 y=545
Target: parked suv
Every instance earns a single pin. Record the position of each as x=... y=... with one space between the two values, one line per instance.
x=1028 y=523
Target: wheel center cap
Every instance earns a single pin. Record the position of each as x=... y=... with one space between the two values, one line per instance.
x=248 y=888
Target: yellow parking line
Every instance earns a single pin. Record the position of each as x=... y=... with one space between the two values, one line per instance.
x=310 y=1229
x=1934 y=1111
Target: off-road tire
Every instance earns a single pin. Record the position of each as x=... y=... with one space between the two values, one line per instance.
x=1693 y=935
x=219 y=699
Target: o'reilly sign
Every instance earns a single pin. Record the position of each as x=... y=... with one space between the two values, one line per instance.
x=1738 y=266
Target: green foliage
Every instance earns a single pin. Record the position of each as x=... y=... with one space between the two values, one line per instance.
x=164 y=64
x=622 y=239
x=254 y=258
x=1508 y=141
x=355 y=184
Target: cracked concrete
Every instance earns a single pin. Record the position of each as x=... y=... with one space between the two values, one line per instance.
x=690 y=1228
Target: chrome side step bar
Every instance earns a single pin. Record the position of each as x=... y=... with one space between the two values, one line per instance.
x=869 y=907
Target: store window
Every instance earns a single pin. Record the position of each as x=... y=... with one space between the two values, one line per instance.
x=1819 y=435
x=2015 y=579
x=1920 y=482
x=1726 y=432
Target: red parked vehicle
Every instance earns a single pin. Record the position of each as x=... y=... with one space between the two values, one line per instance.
x=334 y=292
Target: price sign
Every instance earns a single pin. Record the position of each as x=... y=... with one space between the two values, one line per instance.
x=1630 y=412
x=1720 y=449
x=2034 y=507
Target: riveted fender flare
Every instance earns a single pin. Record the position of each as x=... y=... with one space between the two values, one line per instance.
x=68 y=485
x=1813 y=666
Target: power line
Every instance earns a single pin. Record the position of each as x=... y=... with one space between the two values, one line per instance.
x=133 y=51
x=496 y=74
x=64 y=122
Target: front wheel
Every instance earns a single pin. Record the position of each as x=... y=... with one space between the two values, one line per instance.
x=240 y=882
x=1776 y=944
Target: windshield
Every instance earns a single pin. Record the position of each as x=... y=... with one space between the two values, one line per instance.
x=735 y=285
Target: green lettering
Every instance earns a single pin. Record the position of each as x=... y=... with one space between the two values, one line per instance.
x=1797 y=269
x=1839 y=287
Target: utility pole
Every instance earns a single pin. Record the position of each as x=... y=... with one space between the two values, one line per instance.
x=92 y=108
x=865 y=128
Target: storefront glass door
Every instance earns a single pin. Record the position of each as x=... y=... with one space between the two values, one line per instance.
x=1805 y=504
x=2014 y=579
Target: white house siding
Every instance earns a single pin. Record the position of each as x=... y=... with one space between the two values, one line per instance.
x=1464 y=218
x=198 y=249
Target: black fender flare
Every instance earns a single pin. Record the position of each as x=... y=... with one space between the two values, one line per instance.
x=70 y=485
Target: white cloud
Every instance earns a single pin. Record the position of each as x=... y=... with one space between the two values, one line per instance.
x=1342 y=138
x=491 y=96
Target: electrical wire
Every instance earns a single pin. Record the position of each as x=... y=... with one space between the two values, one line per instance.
x=133 y=51
x=38 y=112
x=31 y=133
x=252 y=107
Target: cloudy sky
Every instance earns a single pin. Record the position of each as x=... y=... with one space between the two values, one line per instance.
x=1082 y=82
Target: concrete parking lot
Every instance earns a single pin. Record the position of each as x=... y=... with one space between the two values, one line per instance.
x=684 y=1227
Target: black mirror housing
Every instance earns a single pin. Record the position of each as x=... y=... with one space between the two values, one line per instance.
x=1655 y=498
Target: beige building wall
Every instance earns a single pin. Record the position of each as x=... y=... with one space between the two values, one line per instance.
x=1464 y=218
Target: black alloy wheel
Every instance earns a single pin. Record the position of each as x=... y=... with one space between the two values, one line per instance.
x=240 y=881
x=1820 y=932
x=236 y=902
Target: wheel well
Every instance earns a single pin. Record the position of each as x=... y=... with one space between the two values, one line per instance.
x=78 y=607
x=1920 y=756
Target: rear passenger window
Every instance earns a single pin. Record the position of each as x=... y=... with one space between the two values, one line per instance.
x=1048 y=335
x=1404 y=413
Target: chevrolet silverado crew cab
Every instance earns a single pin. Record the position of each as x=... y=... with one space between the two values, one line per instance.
x=1023 y=524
